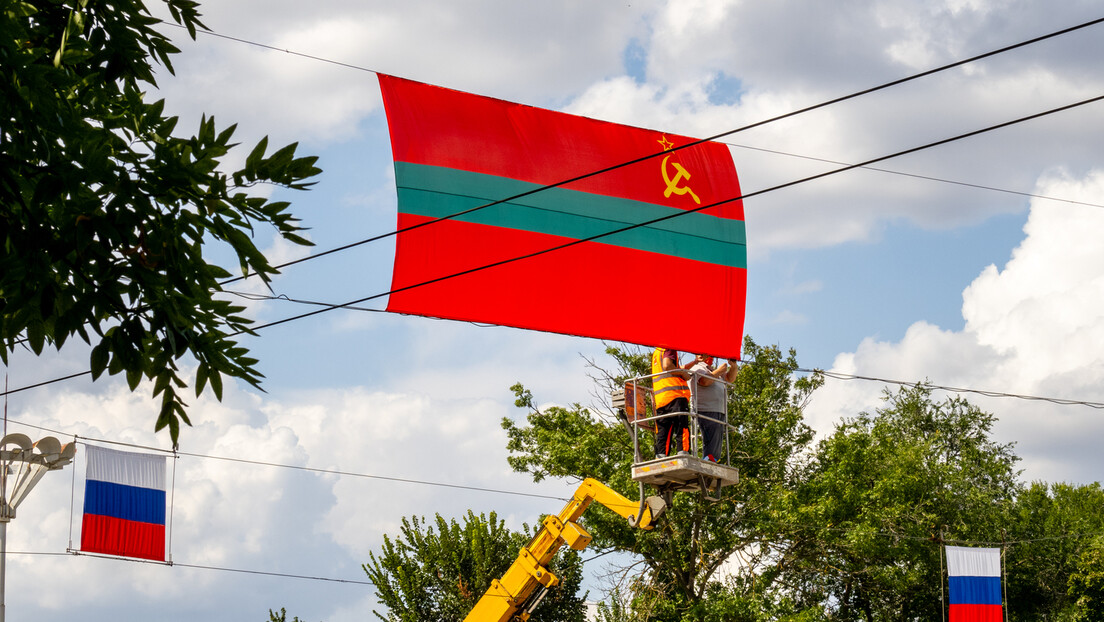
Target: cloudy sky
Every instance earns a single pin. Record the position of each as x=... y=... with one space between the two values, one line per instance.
x=977 y=264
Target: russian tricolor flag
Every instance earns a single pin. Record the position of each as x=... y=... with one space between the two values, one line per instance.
x=974 y=575
x=124 y=504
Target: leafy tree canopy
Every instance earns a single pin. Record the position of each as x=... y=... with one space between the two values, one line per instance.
x=1086 y=583
x=863 y=525
x=1053 y=566
x=281 y=617
x=105 y=211
x=439 y=571
x=848 y=528
x=844 y=529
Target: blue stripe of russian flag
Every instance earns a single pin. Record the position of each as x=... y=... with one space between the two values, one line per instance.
x=975 y=590
x=143 y=505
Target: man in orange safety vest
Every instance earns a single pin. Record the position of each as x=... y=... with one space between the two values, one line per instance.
x=672 y=395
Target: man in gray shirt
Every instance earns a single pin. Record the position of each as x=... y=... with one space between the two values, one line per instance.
x=711 y=401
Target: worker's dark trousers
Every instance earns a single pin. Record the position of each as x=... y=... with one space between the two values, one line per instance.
x=713 y=431
x=669 y=430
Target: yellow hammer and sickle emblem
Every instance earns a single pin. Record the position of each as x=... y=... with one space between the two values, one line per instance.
x=673 y=184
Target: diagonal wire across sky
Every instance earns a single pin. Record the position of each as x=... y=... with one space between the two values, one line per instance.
x=841 y=169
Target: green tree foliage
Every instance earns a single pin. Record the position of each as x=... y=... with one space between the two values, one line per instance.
x=105 y=212
x=1053 y=527
x=878 y=491
x=1086 y=583
x=438 y=572
x=681 y=557
x=281 y=617
x=846 y=529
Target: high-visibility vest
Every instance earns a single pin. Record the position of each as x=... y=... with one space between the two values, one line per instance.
x=666 y=388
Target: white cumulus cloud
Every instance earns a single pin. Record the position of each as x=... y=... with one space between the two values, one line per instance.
x=1034 y=327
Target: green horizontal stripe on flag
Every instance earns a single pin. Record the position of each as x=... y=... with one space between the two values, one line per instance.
x=435 y=192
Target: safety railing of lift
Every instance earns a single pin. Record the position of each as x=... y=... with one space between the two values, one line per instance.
x=636 y=395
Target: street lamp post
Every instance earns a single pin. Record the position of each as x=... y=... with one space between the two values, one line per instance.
x=22 y=464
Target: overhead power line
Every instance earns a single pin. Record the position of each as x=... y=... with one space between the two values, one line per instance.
x=284 y=575
x=827 y=373
x=842 y=169
x=268 y=573
x=682 y=213
x=1053 y=400
x=942 y=180
x=644 y=158
x=793 y=113
x=274 y=574
x=593 y=173
x=405 y=480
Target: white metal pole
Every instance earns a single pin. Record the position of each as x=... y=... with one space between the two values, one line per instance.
x=3 y=562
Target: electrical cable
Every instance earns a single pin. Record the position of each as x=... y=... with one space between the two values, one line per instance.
x=826 y=373
x=274 y=574
x=351 y=304
x=405 y=480
x=984 y=393
x=829 y=374
x=614 y=167
x=685 y=212
x=368 y=476
x=198 y=566
x=330 y=307
x=933 y=539
x=46 y=382
x=211 y=33
x=350 y=245
x=653 y=221
x=888 y=534
x=793 y=113
x=86 y=439
x=602 y=554
x=942 y=180
x=644 y=158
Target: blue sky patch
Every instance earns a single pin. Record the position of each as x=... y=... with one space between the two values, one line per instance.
x=724 y=90
x=635 y=59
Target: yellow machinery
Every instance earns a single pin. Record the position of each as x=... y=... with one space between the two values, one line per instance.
x=515 y=595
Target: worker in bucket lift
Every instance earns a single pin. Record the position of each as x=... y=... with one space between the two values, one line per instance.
x=711 y=401
x=672 y=395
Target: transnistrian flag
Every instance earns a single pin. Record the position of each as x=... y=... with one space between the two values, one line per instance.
x=124 y=504
x=974 y=577
x=678 y=282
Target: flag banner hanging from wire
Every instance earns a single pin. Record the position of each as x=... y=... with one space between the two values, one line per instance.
x=124 y=504
x=974 y=580
x=456 y=151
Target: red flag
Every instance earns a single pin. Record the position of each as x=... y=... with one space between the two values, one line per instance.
x=678 y=283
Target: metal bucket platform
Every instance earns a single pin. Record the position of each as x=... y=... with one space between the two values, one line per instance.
x=685 y=472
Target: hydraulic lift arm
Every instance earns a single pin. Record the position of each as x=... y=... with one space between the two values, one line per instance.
x=512 y=597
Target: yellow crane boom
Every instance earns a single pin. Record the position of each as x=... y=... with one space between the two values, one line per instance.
x=512 y=596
